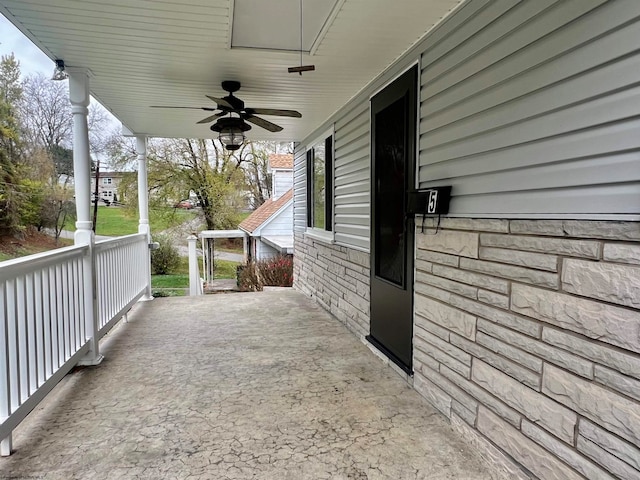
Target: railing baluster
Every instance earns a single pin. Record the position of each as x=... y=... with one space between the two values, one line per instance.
x=21 y=325
x=39 y=324
x=30 y=331
x=5 y=373
x=47 y=318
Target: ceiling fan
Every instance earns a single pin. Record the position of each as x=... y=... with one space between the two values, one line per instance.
x=232 y=104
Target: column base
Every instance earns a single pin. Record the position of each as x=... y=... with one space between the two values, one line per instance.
x=91 y=361
x=6 y=446
x=146 y=298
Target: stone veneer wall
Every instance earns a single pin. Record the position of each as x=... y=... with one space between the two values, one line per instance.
x=337 y=277
x=527 y=333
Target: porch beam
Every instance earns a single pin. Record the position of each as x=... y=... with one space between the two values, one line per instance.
x=79 y=96
x=143 y=205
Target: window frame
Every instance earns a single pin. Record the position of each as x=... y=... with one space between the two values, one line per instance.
x=326 y=233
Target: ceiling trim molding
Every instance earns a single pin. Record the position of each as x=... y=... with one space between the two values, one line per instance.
x=325 y=28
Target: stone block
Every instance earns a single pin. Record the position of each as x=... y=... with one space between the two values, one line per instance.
x=422 y=361
x=523 y=358
x=482 y=396
x=422 y=266
x=537 y=227
x=511 y=320
x=628 y=364
x=446 y=284
x=475 y=224
x=612 y=411
x=471 y=278
x=464 y=244
x=504 y=467
x=610 y=282
x=540 y=410
x=611 y=463
x=613 y=445
x=607 y=323
x=602 y=229
x=524 y=450
x=520 y=274
x=538 y=261
x=435 y=257
x=436 y=397
x=622 y=253
x=358 y=257
x=523 y=375
x=546 y=352
x=564 y=452
x=492 y=298
x=617 y=381
x=446 y=316
x=468 y=416
x=432 y=328
x=441 y=355
x=555 y=246
x=450 y=388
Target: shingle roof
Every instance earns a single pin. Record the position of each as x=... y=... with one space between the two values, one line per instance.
x=277 y=160
x=264 y=212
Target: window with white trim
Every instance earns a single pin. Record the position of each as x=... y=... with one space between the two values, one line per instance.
x=320 y=185
x=106 y=181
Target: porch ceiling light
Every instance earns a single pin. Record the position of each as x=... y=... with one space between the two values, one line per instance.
x=231 y=132
x=58 y=72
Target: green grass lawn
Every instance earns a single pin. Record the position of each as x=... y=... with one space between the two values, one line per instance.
x=117 y=221
x=177 y=282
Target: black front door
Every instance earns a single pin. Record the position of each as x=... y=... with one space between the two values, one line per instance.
x=393 y=150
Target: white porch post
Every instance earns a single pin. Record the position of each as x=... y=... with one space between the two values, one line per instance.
x=143 y=205
x=79 y=98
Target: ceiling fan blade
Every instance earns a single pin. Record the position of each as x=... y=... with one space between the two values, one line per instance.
x=206 y=109
x=212 y=117
x=221 y=102
x=273 y=111
x=261 y=122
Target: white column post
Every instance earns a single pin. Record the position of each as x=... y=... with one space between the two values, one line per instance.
x=79 y=98
x=195 y=285
x=143 y=205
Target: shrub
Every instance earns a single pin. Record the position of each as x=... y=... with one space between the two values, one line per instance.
x=165 y=259
x=277 y=271
x=249 y=278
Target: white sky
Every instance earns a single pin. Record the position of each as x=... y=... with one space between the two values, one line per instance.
x=31 y=58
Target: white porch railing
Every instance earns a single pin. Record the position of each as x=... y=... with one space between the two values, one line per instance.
x=121 y=266
x=44 y=328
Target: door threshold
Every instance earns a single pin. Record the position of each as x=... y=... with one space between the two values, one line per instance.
x=388 y=355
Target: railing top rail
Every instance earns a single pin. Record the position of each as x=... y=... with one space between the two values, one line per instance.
x=103 y=245
x=37 y=261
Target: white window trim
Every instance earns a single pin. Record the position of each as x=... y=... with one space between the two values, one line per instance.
x=320 y=234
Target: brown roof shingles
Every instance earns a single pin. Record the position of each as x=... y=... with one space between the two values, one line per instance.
x=264 y=212
x=277 y=160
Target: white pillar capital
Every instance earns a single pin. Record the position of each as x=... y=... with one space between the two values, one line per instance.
x=79 y=94
x=141 y=145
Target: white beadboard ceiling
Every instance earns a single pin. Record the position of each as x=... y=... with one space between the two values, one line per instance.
x=173 y=52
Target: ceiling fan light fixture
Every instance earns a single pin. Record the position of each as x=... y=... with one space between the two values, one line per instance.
x=58 y=72
x=231 y=132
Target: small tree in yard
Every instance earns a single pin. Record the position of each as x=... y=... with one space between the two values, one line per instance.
x=165 y=258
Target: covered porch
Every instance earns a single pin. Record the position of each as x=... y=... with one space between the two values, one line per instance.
x=241 y=392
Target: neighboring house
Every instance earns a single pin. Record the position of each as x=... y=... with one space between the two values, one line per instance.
x=270 y=226
x=108 y=183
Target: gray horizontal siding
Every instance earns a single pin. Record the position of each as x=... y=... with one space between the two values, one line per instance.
x=537 y=111
x=299 y=189
x=352 y=178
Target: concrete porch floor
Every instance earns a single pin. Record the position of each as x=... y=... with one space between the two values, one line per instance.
x=248 y=385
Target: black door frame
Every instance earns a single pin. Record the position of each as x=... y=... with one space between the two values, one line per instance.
x=405 y=85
